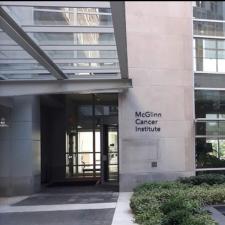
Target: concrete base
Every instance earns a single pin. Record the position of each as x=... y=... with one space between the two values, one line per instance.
x=129 y=181
x=19 y=186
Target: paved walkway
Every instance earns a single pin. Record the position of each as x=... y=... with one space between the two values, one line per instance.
x=217 y=213
x=70 y=208
x=123 y=215
x=60 y=208
x=67 y=208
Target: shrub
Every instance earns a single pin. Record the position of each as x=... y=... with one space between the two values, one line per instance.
x=177 y=203
x=146 y=209
x=199 y=219
x=210 y=179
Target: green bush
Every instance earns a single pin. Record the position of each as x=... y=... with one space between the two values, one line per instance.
x=177 y=203
x=210 y=179
x=199 y=219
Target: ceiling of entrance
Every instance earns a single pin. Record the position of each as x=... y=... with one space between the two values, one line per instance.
x=57 y=40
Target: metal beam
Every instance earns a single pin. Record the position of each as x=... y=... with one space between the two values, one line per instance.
x=38 y=87
x=69 y=70
x=73 y=4
x=18 y=35
x=62 y=60
x=63 y=47
x=119 y=24
x=26 y=77
x=67 y=29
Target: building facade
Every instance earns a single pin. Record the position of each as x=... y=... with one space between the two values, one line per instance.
x=109 y=92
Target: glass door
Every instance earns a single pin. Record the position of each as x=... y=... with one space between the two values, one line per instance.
x=92 y=153
x=109 y=153
x=113 y=153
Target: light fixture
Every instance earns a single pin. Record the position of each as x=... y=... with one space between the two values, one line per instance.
x=3 y=122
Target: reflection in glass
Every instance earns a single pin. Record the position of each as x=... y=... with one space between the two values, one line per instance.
x=6 y=54
x=209 y=28
x=49 y=16
x=66 y=66
x=77 y=54
x=210 y=128
x=214 y=10
x=210 y=152
x=209 y=55
x=83 y=138
x=52 y=38
x=20 y=66
x=113 y=154
x=209 y=102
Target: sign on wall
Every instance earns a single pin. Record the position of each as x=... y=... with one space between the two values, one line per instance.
x=147 y=121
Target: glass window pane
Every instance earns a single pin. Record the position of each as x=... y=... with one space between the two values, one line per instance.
x=47 y=38
x=85 y=110
x=210 y=152
x=94 y=20
x=209 y=65
x=221 y=128
x=20 y=66
x=14 y=55
x=209 y=28
x=6 y=40
x=221 y=65
x=97 y=158
x=209 y=44
x=209 y=128
x=87 y=65
x=208 y=102
x=95 y=38
x=209 y=10
x=85 y=159
x=85 y=142
x=60 y=16
x=221 y=44
x=221 y=54
x=209 y=54
x=71 y=18
x=61 y=54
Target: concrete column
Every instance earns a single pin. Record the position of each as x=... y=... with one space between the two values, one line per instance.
x=21 y=175
x=159 y=45
x=5 y=136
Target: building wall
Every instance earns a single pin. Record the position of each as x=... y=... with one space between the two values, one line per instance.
x=20 y=148
x=159 y=46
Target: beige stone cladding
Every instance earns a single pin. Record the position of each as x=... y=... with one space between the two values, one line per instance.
x=159 y=46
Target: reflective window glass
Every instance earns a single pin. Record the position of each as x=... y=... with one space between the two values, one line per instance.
x=214 y=10
x=47 y=38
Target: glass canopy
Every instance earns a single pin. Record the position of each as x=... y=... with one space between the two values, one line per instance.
x=78 y=39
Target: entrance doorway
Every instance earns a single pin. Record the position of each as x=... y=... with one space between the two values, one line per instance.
x=80 y=139
x=91 y=151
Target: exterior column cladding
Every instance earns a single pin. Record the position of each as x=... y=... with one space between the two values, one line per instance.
x=21 y=151
x=159 y=46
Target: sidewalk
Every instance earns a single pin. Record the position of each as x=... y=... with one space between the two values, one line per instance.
x=42 y=209
x=64 y=208
x=123 y=215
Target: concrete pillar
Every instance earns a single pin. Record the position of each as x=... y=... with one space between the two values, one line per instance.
x=21 y=175
x=159 y=45
x=5 y=136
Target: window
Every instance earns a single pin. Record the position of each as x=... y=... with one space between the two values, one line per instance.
x=209 y=55
x=210 y=128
